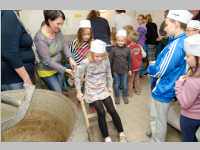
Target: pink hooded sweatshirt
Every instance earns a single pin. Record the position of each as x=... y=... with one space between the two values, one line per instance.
x=188 y=95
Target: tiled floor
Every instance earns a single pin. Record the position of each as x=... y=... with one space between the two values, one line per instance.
x=134 y=116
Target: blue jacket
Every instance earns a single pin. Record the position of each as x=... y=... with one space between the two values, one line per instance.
x=169 y=66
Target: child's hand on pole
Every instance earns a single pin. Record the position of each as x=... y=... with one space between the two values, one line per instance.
x=72 y=63
x=80 y=96
x=70 y=72
x=110 y=90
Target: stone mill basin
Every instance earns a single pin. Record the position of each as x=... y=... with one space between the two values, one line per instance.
x=50 y=117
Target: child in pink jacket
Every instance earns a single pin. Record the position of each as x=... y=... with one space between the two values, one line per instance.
x=188 y=91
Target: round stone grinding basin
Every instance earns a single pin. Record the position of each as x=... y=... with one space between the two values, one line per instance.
x=50 y=118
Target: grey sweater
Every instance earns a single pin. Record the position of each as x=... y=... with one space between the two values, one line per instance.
x=50 y=51
x=98 y=79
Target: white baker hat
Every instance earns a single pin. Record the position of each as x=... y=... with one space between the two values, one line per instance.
x=194 y=24
x=98 y=46
x=121 y=32
x=192 y=45
x=183 y=16
x=85 y=24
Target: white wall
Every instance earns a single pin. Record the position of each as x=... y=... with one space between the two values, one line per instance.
x=32 y=19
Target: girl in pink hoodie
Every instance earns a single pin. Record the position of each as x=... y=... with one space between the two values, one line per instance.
x=188 y=91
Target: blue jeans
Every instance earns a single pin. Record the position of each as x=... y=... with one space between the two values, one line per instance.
x=188 y=128
x=13 y=86
x=151 y=50
x=120 y=79
x=55 y=82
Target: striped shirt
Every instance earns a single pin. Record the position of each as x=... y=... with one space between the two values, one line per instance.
x=79 y=51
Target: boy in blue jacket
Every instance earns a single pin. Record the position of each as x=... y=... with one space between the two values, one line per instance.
x=169 y=66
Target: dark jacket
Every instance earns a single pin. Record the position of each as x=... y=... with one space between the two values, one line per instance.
x=101 y=29
x=152 y=33
x=16 y=48
x=120 y=60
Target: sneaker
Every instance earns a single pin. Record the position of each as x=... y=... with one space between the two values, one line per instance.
x=108 y=139
x=117 y=100
x=123 y=139
x=126 y=101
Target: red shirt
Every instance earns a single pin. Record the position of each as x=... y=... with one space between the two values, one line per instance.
x=136 y=56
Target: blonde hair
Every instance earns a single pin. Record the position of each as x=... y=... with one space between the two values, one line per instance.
x=193 y=72
x=90 y=56
x=132 y=34
x=80 y=36
x=149 y=18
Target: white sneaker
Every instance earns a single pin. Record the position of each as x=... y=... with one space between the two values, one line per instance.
x=108 y=139
x=122 y=138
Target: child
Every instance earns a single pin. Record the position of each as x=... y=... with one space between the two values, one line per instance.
x=136 y=60
x=193 y=27
x=120 y=63
x=81 y=45
x=188 y=91
x=169 y=66
x=98 y=87
x=141 y=29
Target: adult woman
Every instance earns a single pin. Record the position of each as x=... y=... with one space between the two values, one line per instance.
x=141 y=40
x=151 y=38
x=17 y=60
x=100 y=26
x=50 y=44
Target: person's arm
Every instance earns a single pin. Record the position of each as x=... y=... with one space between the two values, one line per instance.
x=111 y=55
x=142 y=51
x=109 y=75
x=187 y=91
x=43 y=52
x=108 y=30
x=129 y=60
x=168 y=63
x=11 y=32
x=149 y=32
x=156 y=30
x=79 y=73
x=24 y=75
x=68 y=55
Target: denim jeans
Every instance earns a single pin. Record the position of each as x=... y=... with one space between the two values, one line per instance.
x=55 y=82
x=120 y=79
x=151 y=51
x=13 y=86
x=189 y=127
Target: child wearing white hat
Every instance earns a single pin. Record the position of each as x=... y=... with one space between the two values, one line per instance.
x=98 y=87
x=120 y=63
x=188 y=91
x=193 y=27
x=81 y=45
x=169 y=66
